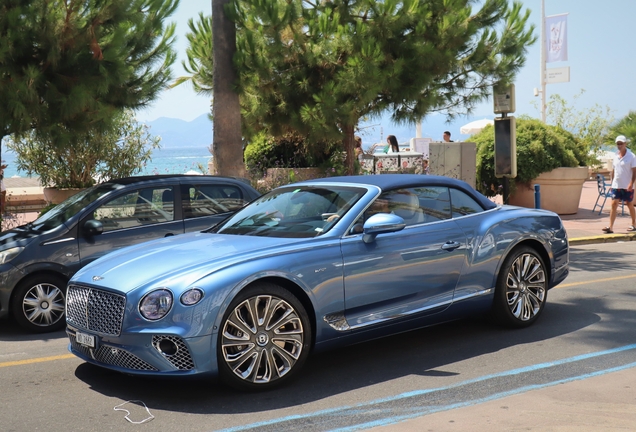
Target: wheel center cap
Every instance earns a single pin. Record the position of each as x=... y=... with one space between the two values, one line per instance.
x=522 y=286
x=44 y=305
x=262 y=339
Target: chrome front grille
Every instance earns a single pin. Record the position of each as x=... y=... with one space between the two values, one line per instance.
x=112 y=356
x=95 y=310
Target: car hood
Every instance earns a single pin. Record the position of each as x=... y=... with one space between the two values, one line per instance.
x=190 y=256
x=19 y=236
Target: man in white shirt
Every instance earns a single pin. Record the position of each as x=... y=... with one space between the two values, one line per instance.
x=623 y=180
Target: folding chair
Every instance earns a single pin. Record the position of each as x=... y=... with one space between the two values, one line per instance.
x=604 y=191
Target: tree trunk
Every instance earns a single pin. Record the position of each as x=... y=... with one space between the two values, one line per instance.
x=227 y=145
x=349 y=144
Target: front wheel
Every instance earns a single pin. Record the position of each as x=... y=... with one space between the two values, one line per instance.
x=521 y=290
x=265 y=338
x=38 y=303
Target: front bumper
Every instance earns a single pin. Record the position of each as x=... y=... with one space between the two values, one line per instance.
x=159 y=354
x=9 y=277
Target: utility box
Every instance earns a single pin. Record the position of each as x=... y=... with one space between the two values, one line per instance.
x=454 y=159
x=504 y=100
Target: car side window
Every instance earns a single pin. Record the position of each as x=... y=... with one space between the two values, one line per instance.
x=414 y=205
x=462 y=204
x=137 y=208
x=434 y=202
x=207 y=200
x=404 y=203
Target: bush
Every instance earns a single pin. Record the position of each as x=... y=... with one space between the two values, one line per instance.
x=540 y=148
x=66 y=158
x=289 y=151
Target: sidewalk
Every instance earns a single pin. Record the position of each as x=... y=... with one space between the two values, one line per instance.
x=585 y=227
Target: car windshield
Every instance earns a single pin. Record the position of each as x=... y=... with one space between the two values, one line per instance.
x=69 y=208
x=295 y=212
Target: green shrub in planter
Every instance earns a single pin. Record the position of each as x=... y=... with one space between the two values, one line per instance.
x=540 y=148
x=289 y=151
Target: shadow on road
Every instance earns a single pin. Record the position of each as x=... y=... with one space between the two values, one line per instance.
x=426 y=352
x=10 y=331
x=592 y=261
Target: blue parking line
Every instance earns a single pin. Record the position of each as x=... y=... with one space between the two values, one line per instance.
x=423 y=412
x=396 y=419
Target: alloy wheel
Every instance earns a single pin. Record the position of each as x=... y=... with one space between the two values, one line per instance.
x=262 y=339
x=525 y=287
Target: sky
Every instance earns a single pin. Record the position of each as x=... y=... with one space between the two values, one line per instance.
x=600 y=58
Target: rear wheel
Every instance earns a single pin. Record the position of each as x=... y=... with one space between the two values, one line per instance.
x=265 y=338
x=521 y=290
x=38 y=303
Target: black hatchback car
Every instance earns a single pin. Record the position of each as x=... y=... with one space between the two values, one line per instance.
x=38 y=259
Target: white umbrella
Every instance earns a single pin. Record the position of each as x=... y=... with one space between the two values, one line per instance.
x=192 y=172
x=475 y=126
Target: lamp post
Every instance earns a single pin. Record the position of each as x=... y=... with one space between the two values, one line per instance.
x=542 y=91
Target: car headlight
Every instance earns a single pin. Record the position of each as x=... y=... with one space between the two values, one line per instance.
x=192 y=296
x=8 y=254
x=155 y=305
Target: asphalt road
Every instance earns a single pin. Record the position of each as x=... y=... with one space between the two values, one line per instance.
x=586 y=331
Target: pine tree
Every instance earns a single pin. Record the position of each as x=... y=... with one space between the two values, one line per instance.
x=319 y=68
x=75 y=64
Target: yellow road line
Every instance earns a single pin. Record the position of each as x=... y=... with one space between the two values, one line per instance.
x=595 y=281
x=37 y=360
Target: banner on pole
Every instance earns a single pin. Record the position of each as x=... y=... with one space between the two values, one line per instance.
x=556 y=38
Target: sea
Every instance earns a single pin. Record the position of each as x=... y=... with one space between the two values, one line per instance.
x=175 y=160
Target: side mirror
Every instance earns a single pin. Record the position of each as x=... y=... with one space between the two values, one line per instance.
x=381 y=223
x=93 y=227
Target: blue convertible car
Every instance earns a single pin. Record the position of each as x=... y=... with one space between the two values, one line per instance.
x=313 y=265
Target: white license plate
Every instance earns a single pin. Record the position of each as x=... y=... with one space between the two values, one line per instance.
x=85 y=339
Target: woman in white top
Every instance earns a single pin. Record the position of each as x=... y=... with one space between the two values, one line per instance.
x=393 y=146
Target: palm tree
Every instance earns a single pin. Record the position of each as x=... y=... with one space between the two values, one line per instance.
x=227 y=146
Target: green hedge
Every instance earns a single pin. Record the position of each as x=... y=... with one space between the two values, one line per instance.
x=540 y=148
x=290 y=151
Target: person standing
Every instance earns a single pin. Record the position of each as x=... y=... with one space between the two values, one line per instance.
x=393 y=146
x=623 y=180
x=358 y=149
x=447 y=136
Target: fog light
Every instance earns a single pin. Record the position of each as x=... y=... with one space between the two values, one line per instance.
x=167 y=347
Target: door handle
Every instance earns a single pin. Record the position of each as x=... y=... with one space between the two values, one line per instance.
x=450 y=245
x=169 y=235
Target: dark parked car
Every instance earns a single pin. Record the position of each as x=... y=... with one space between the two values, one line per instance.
x=309 y=266
x=37 y=259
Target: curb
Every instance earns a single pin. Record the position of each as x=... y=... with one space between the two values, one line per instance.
x=608 y=238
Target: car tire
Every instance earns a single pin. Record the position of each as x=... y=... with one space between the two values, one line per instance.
x=264 y=338
x=522 y=290
x=38 y=303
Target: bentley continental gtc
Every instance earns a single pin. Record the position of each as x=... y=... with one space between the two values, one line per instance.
x=311 y=266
